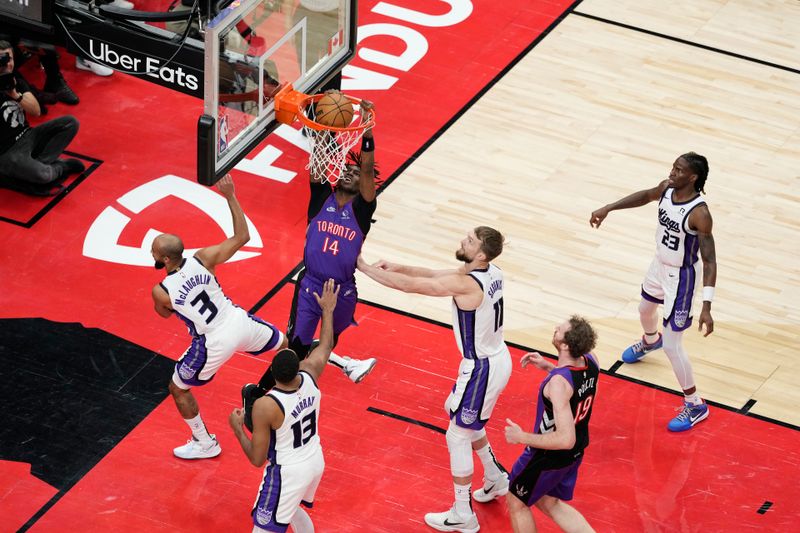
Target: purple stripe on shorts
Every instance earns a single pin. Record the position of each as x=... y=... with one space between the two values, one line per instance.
x=273 y=341
x=468 y=414
x=680 y=317
x=266 y=509
x=192 y=363
x=651 y=298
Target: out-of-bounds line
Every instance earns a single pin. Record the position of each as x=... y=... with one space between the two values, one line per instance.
x=406 y=419
x=689 y=43
x=606 y=372
x=615 y=366
x=274 y=290
x=764 y=507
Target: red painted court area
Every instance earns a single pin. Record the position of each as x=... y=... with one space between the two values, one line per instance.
x=383 y=473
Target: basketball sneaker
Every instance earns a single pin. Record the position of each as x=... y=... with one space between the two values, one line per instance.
x=636 y=351
x=250 y=393
x=357 y=369
x=688 y=417
x=452 y=521
x=491 y=490
x=193 y=449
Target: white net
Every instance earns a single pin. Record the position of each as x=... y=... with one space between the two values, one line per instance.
x=329 y=147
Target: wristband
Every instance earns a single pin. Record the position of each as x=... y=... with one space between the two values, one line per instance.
x=367 y=144
x=708 y=294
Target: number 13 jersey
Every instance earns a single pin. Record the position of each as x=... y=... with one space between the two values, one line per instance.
x=676 y=244
x=297 y=440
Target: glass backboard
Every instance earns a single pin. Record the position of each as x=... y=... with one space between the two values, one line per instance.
x=252 y=49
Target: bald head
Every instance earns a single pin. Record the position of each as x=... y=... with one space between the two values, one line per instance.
x=167 y=250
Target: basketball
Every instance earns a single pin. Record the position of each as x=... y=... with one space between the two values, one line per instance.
x=334 y=109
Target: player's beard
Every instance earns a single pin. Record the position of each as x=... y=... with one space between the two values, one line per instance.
x=461 y=255
x=159 y=265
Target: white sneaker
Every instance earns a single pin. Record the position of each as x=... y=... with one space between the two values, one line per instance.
x=491 y=490
x=194 y=450
x=124 y=4
x=95 y=68
x=451 y=521
x=357 y=369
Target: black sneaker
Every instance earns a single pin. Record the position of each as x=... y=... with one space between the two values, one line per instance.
x=61 y=91
x=250 y=393
x=71 y=166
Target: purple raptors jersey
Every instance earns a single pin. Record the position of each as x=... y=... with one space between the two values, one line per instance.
x=333 y=242
x=584 y=386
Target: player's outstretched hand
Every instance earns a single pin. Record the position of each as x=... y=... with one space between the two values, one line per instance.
x=366 y=109
x=598 y=217
x=236 y=419
x=514 y=433
x=383 y=264
x=330 y=292
x=707 y=321
x=535 y=359
x=225 y=186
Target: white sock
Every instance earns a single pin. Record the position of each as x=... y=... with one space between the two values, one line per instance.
x=693 y=399
x=337 y=360
x=301 y=522
x=199 y=430
x=463 y=505
x=491 y=468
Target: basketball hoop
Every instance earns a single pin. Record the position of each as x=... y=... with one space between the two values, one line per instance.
x=329 y=145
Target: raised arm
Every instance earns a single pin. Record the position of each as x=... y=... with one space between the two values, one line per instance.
x=315 y=363
x=636 y=199
x=700 y=220
x=366 y=181
x=563 y=437
x=219 y=253
x=161 y=301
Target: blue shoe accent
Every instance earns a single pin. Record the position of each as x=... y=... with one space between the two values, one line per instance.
x=690 y=415
x=638 y=350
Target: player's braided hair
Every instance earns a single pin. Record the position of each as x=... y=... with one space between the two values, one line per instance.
x=699 y=166
x=581 y=337
x=354 y=158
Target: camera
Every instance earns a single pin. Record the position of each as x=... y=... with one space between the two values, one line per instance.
x=7 y=81
x=5 y=59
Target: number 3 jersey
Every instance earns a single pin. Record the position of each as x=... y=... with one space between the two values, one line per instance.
x=584 y=387
x=296 y=441
x=676 y=244
x=197 y=298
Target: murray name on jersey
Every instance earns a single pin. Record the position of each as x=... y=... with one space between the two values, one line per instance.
x=302 y=405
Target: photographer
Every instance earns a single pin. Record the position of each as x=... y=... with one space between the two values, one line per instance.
x=30 y=155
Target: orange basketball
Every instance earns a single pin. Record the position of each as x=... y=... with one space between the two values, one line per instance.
x=334 y=109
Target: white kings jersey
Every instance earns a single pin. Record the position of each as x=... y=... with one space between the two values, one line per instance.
x=197 y=298
x=676 y=244
x=479 y=333
x=296 y=440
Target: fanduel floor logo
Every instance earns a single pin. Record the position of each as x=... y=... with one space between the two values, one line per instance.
x=102 y=239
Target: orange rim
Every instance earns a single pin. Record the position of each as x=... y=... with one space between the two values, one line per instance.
x=291 y=105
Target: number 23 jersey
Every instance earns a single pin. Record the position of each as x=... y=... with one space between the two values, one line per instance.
x=676 y=243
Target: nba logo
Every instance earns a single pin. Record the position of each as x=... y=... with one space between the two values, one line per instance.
x=223 y=133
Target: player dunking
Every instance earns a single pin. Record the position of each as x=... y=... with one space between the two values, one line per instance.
x=546 y=472
x=477 y=292
x=218 y=327
x=284 y=428
x=684 y=228
x=338 y=223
